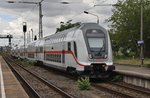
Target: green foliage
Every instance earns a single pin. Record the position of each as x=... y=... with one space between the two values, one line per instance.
x=148 y=65
x=30 y=63
x=84 y=83
x=67 y=25
x=132 y=54
x=125 y=27
x=131 y=61
x=117 y=78
x=25 y=62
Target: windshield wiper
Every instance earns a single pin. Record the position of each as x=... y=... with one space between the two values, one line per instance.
x=99 y=52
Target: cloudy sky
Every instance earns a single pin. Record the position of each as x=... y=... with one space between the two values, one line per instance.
x=12 y=16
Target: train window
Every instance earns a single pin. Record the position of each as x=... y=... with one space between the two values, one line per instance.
x=36 y=49
x=63 y=37
x=69 y=46
x=41 y=49
x=75 y=49
x=96 y=40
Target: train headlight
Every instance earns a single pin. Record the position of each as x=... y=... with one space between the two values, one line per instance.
x=90 y=56
x=105 y=56
x=103 y=65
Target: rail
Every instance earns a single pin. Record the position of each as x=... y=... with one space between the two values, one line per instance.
x=49 y=84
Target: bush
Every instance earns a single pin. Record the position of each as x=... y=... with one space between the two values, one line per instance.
x=84 y=83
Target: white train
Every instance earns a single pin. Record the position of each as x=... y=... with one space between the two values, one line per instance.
x=85 y=49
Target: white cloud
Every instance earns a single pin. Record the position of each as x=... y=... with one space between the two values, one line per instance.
x=53 y=13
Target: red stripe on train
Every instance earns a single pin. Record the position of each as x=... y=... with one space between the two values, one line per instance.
x=59 y=52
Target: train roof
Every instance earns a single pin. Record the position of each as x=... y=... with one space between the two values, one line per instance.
x=86 y=26
x=82 y=26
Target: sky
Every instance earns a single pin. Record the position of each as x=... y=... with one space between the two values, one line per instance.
x=12 y=16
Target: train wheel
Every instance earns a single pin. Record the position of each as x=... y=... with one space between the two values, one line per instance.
x=38 y=63
x=71 y=70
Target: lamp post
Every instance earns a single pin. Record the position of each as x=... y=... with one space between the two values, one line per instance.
x=100 y=5
x=141 y=37
x=106 y=5
x=93 y=15
x=40 y=14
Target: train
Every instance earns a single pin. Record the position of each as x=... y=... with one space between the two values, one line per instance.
x=84 y=50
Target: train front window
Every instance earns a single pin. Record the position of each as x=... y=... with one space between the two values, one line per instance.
x=96 y=44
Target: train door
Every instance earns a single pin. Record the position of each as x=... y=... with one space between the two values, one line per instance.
x=73 y=48
x=71 y=54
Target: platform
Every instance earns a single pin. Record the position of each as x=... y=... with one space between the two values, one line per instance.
x=135 y=70
x=139 y=76
x=10 y=86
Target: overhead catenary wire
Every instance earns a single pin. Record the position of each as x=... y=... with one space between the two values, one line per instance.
x=25 y=18
x=102 y=2
x=79 y=13
x=74 y=16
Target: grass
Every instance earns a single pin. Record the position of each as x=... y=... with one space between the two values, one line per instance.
x=132 y=61
x=25 y=62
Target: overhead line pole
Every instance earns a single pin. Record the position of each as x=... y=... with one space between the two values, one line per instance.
x=40 y=14
x=40 y=20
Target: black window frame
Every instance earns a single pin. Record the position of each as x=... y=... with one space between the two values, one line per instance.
x=75 y=49
x=69 y=46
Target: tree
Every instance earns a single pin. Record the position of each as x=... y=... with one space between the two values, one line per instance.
x=115 y=44
x=126 y=25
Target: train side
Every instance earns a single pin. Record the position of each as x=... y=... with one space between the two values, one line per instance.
x=85 y=49
x=31 y=51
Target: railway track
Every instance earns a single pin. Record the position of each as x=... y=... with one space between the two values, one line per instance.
x=133 y=88
x=40 y=87
x=117 y=90
x=122 y=90
x=112 y=91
